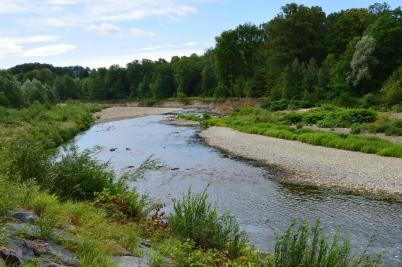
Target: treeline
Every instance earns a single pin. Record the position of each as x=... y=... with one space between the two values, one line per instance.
x=352 y=57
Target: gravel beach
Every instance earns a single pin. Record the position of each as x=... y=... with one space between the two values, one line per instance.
x=121 y=113
x=367 y=174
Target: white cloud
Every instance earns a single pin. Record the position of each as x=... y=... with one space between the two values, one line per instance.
x=49 y=50
x=12 y=6
x=63 y=2
x=13 y=46
x=191 y=44
x=136 y=32
x=104 y=28
x=152 y=53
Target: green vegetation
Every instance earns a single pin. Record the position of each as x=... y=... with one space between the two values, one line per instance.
x=194 y=117
x=104 y=217
x=195 y=219
x=289 y=125
x=302 y=57
x=307 y=246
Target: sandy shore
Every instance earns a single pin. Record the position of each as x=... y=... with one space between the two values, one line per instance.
x=121 y=113
x=356 y=172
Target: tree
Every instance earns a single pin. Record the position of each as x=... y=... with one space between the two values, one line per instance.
x=387 y=31
x=164 y=85
x=236 y=55
x=362 y=64
x=342 y=27
x=289 y=85
x=10 y=92
x=68 y=87
x=208 y=75
x=116 y=83
x=392 y=89
x=35 y=91
x=187 y=72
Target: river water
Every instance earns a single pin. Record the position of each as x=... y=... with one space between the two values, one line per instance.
x=261 y=204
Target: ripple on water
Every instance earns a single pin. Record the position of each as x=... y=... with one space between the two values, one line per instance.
x=261 y=204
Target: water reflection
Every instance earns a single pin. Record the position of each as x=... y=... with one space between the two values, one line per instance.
x=262 y=205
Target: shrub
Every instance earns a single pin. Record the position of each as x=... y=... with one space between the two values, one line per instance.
x=28 y=159
x=79 y=177
x=386 y=124
x=122 y=206
x=194 y=218
x=308 y=247
x=356 y=129
x=284 y=104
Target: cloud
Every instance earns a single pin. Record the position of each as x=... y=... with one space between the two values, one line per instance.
x=104 y=28
x=191 y=44
x=136 y=32
x=63 y=2
x=153 y=53
x=13 y=46
x=49 y=50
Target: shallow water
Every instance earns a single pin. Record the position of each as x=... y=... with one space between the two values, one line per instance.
x=261 y=204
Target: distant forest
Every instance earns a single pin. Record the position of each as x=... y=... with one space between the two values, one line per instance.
x=351 y=58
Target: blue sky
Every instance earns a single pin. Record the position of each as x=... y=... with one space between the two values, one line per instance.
x=99 y=33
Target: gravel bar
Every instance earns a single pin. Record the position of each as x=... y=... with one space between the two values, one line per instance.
x=121 y=113
x=367 y=174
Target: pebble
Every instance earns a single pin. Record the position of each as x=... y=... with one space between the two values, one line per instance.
x=358 y=172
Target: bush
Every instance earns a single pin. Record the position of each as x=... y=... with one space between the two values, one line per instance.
x=330 y=117
x=284 y=104
x=28 y=159
x=122 y=206
x=386 y=124
x=308 y=247
x=79 y=177
x=194 y=218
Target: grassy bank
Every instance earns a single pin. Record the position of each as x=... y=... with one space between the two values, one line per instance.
x=289 y=126
x=104 y=217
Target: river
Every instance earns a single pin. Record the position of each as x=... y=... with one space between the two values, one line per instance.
x=262 y=205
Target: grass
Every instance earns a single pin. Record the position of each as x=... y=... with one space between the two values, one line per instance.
x=258 y=121
x=194 y=218
x=307 y=246
x=101 y=215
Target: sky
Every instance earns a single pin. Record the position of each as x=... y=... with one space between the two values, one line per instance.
x=99 y=33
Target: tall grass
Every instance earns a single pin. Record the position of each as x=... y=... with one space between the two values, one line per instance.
x=308 y=247
x=196 y=219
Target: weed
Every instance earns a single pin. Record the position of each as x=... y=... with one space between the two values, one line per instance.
x=196 y=219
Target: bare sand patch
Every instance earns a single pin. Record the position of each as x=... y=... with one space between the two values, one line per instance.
x=121 y=113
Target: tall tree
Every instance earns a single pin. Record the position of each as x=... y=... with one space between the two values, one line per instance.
x=236 y=55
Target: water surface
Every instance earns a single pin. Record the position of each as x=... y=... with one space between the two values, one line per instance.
x=261 y=204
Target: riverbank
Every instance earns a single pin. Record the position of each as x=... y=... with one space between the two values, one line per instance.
x=120 y=113
x=356 y=172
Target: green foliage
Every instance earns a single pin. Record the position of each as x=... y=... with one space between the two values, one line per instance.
x=284 y=104
x=77 y=176
x=122 y=205
x=330 y=117
x=307 y=246
x=392 y=89
x=194 y=218
x=386 y=124
x=190 y=117
x=258 y=121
